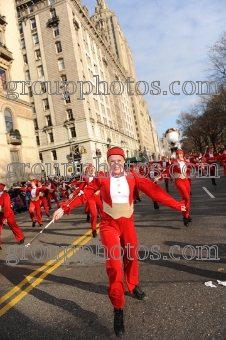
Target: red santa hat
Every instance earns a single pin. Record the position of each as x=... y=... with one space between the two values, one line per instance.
x=116 y=151
x=2 y=186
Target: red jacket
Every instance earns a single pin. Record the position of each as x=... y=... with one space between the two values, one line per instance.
x=145 y=185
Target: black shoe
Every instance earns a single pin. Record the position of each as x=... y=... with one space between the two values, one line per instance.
x=156 y=206
x=140 y=295
x=0 y=248
x=94 y=233
x=40 y=225
x=139 y=199
x=22 y=241
x=134 y=202
x=186 y=220
x=33 y=224
x=88 y=218
x=214 y=183
x=189 y=219
x=118 y=322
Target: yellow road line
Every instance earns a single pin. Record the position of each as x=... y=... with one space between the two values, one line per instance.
x=46 y=269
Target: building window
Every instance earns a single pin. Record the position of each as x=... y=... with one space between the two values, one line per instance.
x=51 y=2
x=3 y=80
x=67 y=98
x=58 y=46
x=8 y=120
x=51 y=139
x=53 y=13
x=43 y=87
x=56 y=31
x=33 y=23
x=30 y=91
x=73 y=132
x=40 y=157
x=63 y=77
x=27 y=75
x=37 y=54
x=37 y=140
x=18 y=14
x=61 y=65
x=40 y=71
x=31 y=9
x=14 y=156
x=36 y=124
x=21 y=28
x=54 y=155
x=25 y=59
x=45 y=104
x=35 y=38
x=69 y=114
x=23 y=44
x=48 y=120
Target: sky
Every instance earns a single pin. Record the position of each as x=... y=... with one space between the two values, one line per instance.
x=169 y=40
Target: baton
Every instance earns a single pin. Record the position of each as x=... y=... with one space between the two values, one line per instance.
x=41 y=231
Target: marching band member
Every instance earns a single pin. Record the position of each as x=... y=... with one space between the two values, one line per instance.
x=52 y=194
x=43 y=199
x=7 y=216
x=181 y=173
x=35 y=206
x=210 y=158
x=117 y=229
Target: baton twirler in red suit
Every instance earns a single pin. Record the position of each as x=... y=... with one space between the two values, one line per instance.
x=117 y=230
x=180 y=170
x=7 y=216
x=35 y=203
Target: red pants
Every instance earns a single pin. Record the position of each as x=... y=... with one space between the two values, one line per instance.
x=94 y=206
x=116 y=235
x=43 y=202
x=184 y=188
x=35 y=207
x=13 y=226
x=50 y=196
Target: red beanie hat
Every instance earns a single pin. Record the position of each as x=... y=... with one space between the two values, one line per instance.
x=2 y=186
x=179 y=151
x=116 y=151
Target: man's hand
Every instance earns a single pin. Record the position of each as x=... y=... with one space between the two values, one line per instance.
x=183 y=208
x=58 y=214
x=70 y=196
x=4 y=221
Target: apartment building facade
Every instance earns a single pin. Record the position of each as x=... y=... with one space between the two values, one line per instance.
x=17 y=142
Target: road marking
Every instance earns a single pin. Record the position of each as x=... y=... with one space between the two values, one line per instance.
x=209 y=193
x=46 y=269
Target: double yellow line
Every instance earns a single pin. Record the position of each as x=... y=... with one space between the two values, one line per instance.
x=46 y=269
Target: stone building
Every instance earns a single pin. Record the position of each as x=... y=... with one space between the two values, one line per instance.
x=77 y=83
x=17 y=134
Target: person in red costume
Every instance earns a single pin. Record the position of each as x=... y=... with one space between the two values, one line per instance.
x=43 y=197
x=35 y=204
x=210 y=158
x=52 y=194
x=181 y=173
x=94 y=205
x=7 y=216
x=117 y=230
